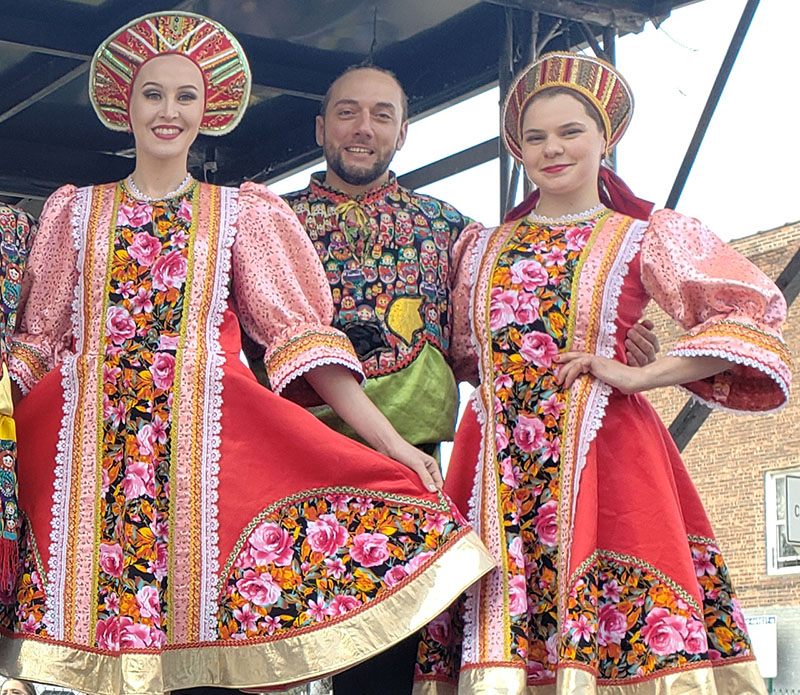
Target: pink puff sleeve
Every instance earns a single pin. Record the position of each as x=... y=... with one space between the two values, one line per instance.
x=282 y=296
x=728 y=307
x=464 y=254
x=43 y=333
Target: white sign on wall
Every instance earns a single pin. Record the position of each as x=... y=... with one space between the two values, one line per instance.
x=764 y=636
x=793 y=509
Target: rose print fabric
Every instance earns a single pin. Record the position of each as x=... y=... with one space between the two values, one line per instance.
x=183 y=525
x=589 y=594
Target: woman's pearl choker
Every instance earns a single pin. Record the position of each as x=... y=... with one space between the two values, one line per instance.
x=182 y=187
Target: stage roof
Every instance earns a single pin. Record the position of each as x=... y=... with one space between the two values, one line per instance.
x=442 y=51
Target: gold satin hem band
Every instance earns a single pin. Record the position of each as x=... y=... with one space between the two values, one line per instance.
x=740 y=678
x=292 y=659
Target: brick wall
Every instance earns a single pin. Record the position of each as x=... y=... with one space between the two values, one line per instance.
x=730 y=454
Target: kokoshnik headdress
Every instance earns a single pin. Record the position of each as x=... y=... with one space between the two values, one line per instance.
x=206 y=43
x=595 y=79
x=609 y=94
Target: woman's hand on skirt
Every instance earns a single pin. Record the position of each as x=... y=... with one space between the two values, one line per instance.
x=426 y=467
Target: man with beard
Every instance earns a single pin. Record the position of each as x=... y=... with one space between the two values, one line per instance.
x=389 y=256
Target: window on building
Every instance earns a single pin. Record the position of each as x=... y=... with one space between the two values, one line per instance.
x=782 y=556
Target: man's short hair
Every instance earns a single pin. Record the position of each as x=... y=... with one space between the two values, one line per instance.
x=323 y=107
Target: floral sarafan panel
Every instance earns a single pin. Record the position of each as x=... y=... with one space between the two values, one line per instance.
x=142 y=329
x=324 y=557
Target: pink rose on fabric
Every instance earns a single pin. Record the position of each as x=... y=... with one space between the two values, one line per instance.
x=149 y=603
x=326 y=535
x=146 y=440
x=551 y=645
x=139 y=635
x=530 y=274
x=169 y=271
x=517 y=595
x=168 y=342
x=159 y=567
x=527 y=309
x=714 y=655
x=537 y=671
x=111 y=560
x=538 y=348
x=370 y=549
x=440 y=629
x=577 y=237
x=395 y=575
x=163 y=370
x=500 y=437
x=136 y=215
x=260 y=589
x=139 y=479
x=511 y=473
x=270 y=543
x=502 y=306
x=517 y=553
x=119 y=325
x=663 y=632
x=106 y=633
x=417 y=562
x=342 y=604
x=546 y=523
x=696 y=641
x=529 y=433
x=144 y=249
x=612 y=625
x=185 y=210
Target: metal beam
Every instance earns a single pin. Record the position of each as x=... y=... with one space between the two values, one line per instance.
x=448 y=166
x=712 y=101
x=589 y=11
x=694 y=414
x=45 y=91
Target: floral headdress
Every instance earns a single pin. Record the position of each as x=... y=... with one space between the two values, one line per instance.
x=205 y=42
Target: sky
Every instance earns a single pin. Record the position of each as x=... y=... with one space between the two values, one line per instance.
x=745 y=177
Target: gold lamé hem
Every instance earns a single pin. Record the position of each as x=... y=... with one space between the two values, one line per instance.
x=740 y=678
x=306 y=656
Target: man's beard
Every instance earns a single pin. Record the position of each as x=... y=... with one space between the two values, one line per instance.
x=355 y=175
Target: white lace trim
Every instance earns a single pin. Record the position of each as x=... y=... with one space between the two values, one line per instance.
x=212 y=414
x=320 y=361
x=606 y=341
x=54 y=616
x=17 y=379
x=566 y=219
x=738 y=359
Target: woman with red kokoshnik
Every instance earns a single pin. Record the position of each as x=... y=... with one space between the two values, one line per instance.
x=609 y=579
x=173 y=539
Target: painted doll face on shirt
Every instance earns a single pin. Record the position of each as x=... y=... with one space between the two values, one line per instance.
x=166 y=107
x=562 y=147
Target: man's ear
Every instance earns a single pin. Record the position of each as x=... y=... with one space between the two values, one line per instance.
x=320 y=130
x=401 y=138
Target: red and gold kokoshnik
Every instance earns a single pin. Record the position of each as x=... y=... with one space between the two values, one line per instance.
x=206 y=43
x=594 y=78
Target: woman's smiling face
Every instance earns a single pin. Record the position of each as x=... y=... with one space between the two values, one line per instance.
x=166 y=106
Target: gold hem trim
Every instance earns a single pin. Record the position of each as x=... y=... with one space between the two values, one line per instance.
x=293 y=659
x=740 y=678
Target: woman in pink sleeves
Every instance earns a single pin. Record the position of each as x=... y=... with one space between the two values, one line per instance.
x=609 y=580
x=184 y=526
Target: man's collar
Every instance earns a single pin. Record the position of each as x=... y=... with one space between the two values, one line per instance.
x=323 y=190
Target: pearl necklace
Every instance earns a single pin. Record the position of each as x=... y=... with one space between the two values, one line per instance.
x=565 y=219
x=182 y=187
